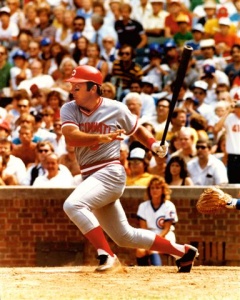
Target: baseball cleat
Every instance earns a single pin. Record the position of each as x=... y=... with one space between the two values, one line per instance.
x=108 y=263
x=185 y=263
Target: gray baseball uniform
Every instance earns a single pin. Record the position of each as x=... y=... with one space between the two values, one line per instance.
x=95 y=200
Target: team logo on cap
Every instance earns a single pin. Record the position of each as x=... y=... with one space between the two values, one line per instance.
x=74 y=73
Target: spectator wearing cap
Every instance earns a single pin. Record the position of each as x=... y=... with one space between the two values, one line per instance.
x=171 y=55
x=206 y=11
x=129 y=31
x=63 y=34
x=5 y=130
x=5 y=67
x=154 y=24
x=20 y=70
x=198 y=33
x=138 y=164
x=142 y=11
x=212 y=25
x=213 y=77
x=183 y=34
x=156 y=70
x=44 y=28
x=208 y=50
x=233 y=68
x=231 y=122
x=224 y=39
x=8 y=29
x=175 y=8
x=199 y=89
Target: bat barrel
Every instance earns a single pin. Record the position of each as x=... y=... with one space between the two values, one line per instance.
x=182 y=69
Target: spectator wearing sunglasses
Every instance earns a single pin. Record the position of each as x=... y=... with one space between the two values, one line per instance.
x=43 y=148
x=206 y=169
x=125 y=70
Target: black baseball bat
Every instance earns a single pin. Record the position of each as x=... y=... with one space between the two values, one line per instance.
x=181 y=72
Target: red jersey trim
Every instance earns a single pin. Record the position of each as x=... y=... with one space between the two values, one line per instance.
x=86 y=113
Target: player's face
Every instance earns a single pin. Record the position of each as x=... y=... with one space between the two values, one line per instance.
x=80 y=93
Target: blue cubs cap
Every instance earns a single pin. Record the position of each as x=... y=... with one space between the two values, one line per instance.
x=208 y=69
x=76 y=36
x=45 y=42
x=170 y=44
x=20 y=53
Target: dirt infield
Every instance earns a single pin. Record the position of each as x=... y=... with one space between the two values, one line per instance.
x=73 y=283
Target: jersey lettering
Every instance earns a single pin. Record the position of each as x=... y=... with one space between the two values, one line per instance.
x=94 y=127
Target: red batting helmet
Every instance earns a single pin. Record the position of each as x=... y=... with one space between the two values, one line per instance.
x=85 y=74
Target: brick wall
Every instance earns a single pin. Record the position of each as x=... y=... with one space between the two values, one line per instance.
x=34 y=230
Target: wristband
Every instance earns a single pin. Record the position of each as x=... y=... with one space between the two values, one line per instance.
x=150 y=141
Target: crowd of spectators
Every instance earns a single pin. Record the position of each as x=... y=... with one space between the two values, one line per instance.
x=137 y=45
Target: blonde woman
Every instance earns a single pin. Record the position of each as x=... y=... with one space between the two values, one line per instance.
x=63 y=34
x=157 y=214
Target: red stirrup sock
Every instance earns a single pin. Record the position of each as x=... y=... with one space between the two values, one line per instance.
x=164 y=246
x=97 y=238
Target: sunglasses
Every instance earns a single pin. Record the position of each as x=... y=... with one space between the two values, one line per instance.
x=201 y=147
x=124 y=53
x=43 y=151
x=22 y=105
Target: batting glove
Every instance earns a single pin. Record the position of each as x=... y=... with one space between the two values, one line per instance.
x=161 y=151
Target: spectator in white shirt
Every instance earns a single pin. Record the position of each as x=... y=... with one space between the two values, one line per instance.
x=54 y=176
x=206 y=169
x=15 y=165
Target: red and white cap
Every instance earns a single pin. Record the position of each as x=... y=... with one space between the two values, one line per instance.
x=85 y=74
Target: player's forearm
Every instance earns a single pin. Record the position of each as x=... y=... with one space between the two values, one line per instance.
x=81 y=139
x=220 y=124
x=144 y=136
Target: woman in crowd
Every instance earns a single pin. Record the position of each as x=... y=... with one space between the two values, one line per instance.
x=158 y=214
x=80 y=51
x=176 y=172
x=54 y=100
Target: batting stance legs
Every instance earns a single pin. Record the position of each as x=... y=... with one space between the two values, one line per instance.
x=93 y=208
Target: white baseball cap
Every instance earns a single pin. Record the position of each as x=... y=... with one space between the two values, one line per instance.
x=224 y=21
x=207 y=43
x=200 y=84
x=137 y=153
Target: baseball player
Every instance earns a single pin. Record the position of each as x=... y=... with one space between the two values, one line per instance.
x=94 y=124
